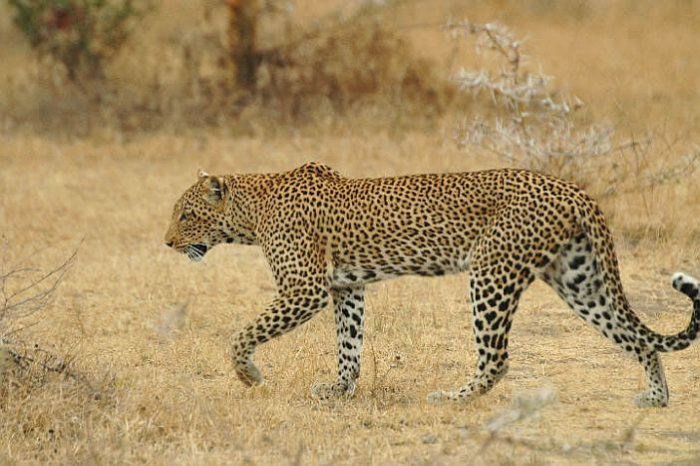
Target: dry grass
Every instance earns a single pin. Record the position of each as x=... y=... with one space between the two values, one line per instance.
x=151 y=330
x=173 y=398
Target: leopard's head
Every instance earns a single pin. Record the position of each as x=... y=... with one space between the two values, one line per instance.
x=207 y=215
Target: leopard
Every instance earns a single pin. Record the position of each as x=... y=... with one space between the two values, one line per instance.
x=326 y=237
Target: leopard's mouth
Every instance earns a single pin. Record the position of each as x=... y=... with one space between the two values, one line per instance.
x=196 y=252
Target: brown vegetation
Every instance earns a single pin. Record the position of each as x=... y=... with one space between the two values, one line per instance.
x=130 y=364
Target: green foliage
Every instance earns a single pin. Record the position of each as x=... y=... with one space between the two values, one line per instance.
x=79 y=34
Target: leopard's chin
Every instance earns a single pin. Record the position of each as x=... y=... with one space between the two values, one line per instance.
x=196 y=252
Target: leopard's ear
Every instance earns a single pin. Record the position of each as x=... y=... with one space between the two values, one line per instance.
x=217 y=189
x=201 y=174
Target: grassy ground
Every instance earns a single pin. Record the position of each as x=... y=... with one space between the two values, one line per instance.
x=167 y=394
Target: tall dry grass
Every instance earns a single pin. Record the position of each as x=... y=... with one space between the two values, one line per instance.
x=149 y=331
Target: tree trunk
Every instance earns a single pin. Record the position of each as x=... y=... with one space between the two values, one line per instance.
x=243 y=19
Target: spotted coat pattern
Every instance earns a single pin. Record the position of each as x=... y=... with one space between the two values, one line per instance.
x=326 y=237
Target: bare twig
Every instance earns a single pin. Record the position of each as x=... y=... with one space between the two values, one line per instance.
x=27 y=299
x=524 y=406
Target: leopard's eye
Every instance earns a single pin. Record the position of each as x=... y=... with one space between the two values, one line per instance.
x=183 y=217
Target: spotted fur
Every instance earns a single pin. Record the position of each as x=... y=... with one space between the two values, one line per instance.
x=326 y=236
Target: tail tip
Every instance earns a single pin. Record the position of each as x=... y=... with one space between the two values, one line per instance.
x=686 y=284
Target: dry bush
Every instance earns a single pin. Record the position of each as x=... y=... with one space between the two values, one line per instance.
x=79 y=35
x=537 y=126
x=344 y=61
x=45 y=397
x=25 y=293
x=339 y=63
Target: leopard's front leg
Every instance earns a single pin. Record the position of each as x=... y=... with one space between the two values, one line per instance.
x=349 y=320
x=299 y=268
x=242 y=354
x=284 y=313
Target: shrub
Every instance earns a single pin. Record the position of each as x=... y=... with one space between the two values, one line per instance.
x=81 y=35
x=347 y=60
x=266 y=61
x=535 y=125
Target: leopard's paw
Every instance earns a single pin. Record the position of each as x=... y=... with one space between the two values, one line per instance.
x=332 y=391
x=249 y=374
x=651 y=399
x=441 y=395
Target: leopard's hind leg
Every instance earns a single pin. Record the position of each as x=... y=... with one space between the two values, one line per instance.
x=576 y=277
x=497 y=281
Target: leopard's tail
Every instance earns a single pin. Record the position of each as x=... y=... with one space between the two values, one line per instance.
x=593 y=224
x=690 y=287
